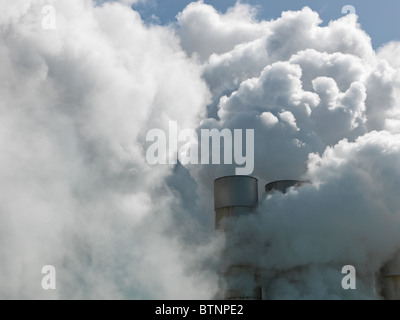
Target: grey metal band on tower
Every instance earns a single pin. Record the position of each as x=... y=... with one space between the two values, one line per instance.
x=234 y=196
x=283 y=185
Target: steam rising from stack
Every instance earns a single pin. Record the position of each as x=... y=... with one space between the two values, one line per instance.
x=243 y=279
x=78 y=193
x=235 y=196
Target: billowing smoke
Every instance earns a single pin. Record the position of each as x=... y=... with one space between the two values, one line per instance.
x=77 y=191
x=325 y=108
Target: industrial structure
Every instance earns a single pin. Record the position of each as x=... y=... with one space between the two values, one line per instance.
x=235 y=196
x=238 y=195
x=390 y=279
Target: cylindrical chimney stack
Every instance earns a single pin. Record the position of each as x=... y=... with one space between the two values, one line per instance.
x=390 y=279
x=235 y=196
x=283 y=185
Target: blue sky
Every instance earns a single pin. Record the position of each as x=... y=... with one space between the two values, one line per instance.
x=379 y=19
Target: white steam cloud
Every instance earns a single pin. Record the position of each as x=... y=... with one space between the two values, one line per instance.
x=77 y=192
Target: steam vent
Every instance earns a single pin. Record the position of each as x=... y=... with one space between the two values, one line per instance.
x=282 y=185
x=235 y=196
x=390 y=279
x=238 y=195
